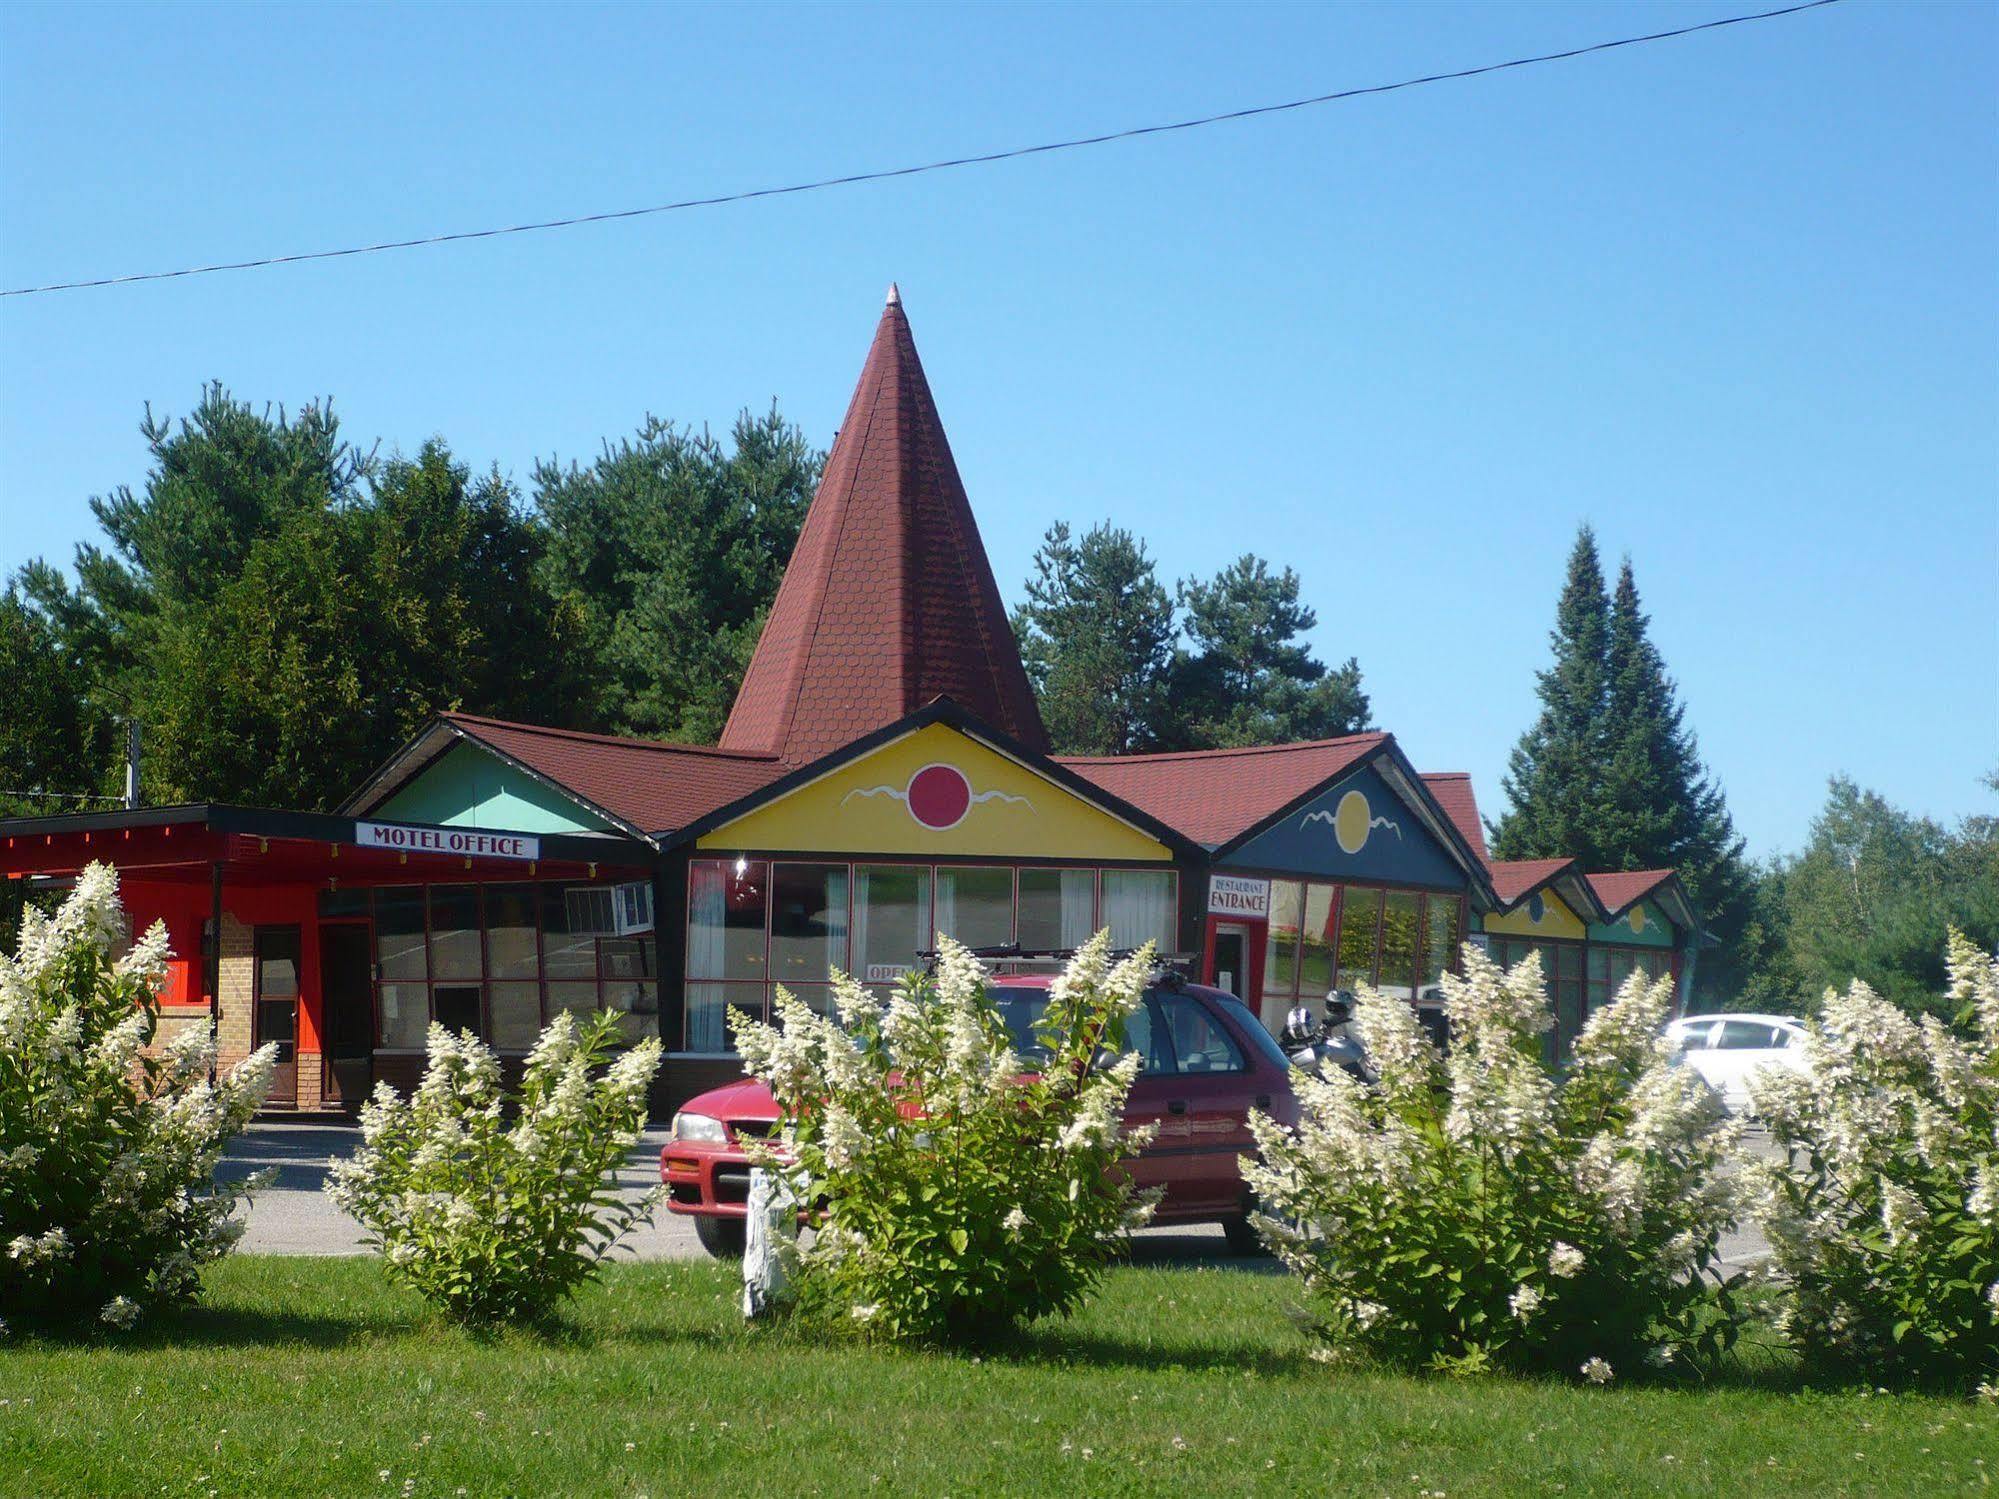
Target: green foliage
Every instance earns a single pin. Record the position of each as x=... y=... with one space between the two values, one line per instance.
x=1096 y=635
x=670 y=548
x=960 y=1194
x=493 y=1205
x=1246 y=677
x=108 y=1203
x=1482 y=1213
x=55 y=740
x=1883 y=1210
x=1872 y=896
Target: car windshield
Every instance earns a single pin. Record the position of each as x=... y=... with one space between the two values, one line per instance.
x=1020 y=1009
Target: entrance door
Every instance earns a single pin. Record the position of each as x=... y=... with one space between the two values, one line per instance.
x=346 y=992
x=277 y=953
x=1232 y=962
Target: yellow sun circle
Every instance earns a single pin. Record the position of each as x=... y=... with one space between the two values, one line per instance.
x=1351 y=821
x=1637 y=918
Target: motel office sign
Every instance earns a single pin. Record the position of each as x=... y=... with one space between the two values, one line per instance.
x=469 y=842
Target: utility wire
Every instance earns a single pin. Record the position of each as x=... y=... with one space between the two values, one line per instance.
x=934 y=166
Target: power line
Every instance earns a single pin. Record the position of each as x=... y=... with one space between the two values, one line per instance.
x=1014 y=153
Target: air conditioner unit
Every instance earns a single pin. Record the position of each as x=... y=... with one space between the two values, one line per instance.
x=610 y=910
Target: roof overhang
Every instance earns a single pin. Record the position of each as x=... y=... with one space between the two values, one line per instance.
x=943 y=711
x=1568 y=881
x=1670 y=893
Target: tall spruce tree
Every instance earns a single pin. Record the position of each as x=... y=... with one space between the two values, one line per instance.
x=1554 y=778
x=1095 y=635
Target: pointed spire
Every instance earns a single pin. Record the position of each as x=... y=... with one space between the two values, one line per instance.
x=894 y=295
x=888 y=600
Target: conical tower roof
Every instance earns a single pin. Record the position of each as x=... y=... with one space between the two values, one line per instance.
x=888 y=601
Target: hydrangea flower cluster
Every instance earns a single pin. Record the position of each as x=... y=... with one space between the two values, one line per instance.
x=108 y=1202
x=497 y=1205
x=963 y=1187
x=1883 y=1211
x=1486 y=1211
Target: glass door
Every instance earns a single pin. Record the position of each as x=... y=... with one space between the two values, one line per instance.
x=277 y=953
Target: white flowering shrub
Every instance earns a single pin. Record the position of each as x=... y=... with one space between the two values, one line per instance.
x=1487 y=1212
x=108 y=1203
x=496 y=1206
x=1883 y=1210
x=964 y=1181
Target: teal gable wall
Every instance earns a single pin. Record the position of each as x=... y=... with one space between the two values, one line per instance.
x=469 y=788
x=1654 y=929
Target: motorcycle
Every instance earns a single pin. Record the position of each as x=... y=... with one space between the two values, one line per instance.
x=1315 y=1046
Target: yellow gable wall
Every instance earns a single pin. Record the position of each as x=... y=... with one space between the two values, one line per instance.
x=1557 y=920
x=863 y=808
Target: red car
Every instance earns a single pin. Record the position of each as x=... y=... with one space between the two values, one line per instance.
x=1205 y=1063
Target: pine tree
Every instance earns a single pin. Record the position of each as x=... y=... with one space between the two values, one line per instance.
x=1095 y=635
x=1554 y=778
x=1660 y=807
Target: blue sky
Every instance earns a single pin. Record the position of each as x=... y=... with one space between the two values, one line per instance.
x=1733 y=299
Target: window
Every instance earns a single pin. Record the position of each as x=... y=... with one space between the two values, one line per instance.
x=399 y=936
x=1315 y=942
x=512 y=944
x=1360 y=923
x=975 y=906
x=1200 y=1044
x=456 y=1007
x=1400 y=912
x=726 y=939
x=454 y=934
x=1058 y=908
x=1144 y=1036
x=808 y=927
x=1140 y=905
x=1745 y=1035
x=277 y=955
x=1280 y=952
x=891 y=920
x=1441 y=941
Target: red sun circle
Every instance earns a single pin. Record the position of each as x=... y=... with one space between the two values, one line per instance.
x=939 y=796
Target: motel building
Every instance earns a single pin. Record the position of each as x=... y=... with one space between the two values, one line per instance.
x=884 y=776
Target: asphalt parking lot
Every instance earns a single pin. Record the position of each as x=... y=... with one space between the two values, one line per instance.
x=295 y=1216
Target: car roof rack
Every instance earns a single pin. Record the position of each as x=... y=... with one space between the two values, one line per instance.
x=1172 y=969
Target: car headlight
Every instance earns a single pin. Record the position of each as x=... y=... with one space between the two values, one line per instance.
x=699 y=1127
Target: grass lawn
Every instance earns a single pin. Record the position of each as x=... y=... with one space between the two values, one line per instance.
x=314 y=1377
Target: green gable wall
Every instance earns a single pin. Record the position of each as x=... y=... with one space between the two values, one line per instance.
x=468 y=788
x=1656 y=930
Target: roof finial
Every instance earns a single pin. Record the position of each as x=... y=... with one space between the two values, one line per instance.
x=894 y=295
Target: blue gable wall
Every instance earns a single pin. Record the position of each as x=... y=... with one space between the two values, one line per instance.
x=468 y=788
x=1373 y=836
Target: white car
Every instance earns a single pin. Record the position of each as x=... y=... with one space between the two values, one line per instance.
x=1726 y=1049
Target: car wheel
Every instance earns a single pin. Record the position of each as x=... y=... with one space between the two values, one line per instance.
x=1241 y=1235
x=721 y=1237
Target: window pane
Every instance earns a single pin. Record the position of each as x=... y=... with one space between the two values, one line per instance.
x=975 y=906
x=399 y=946
x=454 y=932
x=1360 y=916
x=891 y=920
x=579 y=997
x=1743 y=1035
x=456 y=1007
x=623 y=958
x=1058 y=908
x=1399 y=910
x=277 y=963
x=516 y=1012
x=707 y=1007
x=564 y=954
x=405 y=1014
x=510 y=932
x=636 y=1004
x=725 y=919
x=1141 y=905
x=1440 y=951
x=808 y=922
x=1199 y=1043
x=1146 y=1036
x=1280 y=953
x=1315 y=943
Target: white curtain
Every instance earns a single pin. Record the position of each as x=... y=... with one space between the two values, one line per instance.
x=1138 y=906
x=706 y=934
x=861 y=959
x=1079 y=906
x=943 y=920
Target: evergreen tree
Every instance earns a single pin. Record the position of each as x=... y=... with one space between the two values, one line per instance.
x=1246 y=677
x=56 y=739
x=1555 y=776
x=670 y=548
x=1096 y=634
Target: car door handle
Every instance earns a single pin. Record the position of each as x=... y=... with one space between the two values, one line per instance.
x=1263 y=1102
x=1177 y=1106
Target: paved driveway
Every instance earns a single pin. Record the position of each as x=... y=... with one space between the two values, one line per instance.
x=294 y=1216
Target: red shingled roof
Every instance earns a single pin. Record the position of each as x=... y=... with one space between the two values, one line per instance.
x=1618 y=891
x=888 y=601
x=646 y=783
x=1452 y=789
x=1214 y=795
x=1514 y=879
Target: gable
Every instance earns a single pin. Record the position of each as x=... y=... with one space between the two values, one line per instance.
x=938 y=792
x=1360 y=829
x=1644 y=925
x=1542 y=914
x=467 y=787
